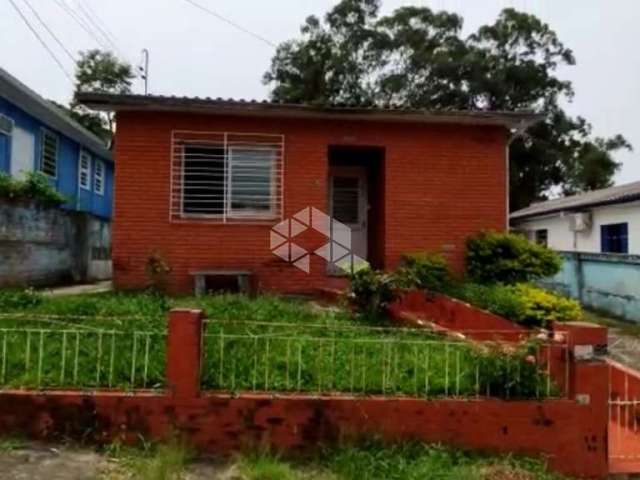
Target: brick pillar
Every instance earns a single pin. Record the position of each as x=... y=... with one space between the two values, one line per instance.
x=184 y=350
x=589 y=386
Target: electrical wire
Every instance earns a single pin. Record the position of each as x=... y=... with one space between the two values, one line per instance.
x=80 y=21
x=97 y=17
x=232 y=23
x=41 y=40
x=94 y=23
x=53 y=35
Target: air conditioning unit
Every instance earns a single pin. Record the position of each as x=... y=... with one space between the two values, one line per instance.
x=580 y=222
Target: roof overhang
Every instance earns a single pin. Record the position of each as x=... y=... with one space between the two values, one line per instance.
x=152 y=103
x=38 y=107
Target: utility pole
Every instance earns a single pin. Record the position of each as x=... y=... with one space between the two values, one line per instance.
x=144 y=70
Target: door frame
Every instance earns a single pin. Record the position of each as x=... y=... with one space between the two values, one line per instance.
x=360 y=172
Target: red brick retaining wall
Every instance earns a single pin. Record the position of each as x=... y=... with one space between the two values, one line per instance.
x=573 y=435
x=448 y=313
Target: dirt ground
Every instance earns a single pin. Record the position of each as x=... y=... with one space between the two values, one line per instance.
x=45 y=462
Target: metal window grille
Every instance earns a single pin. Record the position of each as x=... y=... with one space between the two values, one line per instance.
x=98 y=180
x=226 y=177
x=84 y=171
x=49 y=154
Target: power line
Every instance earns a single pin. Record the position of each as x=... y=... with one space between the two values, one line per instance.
x=46 y=27
x=80 y=21
x=107 y=30
x=232 y=23
x=42 y=42
x=96 y=26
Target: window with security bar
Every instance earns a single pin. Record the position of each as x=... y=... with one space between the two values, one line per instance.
x=226 y=177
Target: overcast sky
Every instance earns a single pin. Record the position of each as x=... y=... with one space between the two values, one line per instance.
x=193 y=53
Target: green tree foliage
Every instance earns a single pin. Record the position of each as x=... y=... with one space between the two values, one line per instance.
x=418 y=58
x=99 y=71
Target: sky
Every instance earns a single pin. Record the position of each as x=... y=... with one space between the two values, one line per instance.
x=195 y=53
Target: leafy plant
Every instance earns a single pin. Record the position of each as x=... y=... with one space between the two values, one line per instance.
x=35 y=187
x=541 y=307
x=373 y=291
x=157 y=269
x=523 y=303
x=508 y=258
x=19 y=299
x=424 y=271
x=265 y=466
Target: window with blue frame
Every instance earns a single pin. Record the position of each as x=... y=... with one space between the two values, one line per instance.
x=614 y=238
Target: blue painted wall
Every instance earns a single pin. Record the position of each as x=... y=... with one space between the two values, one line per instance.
x=68 y=155
x=609 y=282
x=4 y=152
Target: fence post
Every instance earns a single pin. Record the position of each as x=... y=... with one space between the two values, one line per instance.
x=184 y=350
x=588 y=372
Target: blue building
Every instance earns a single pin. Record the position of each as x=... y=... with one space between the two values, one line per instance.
x=37 y=136
x=44 y=246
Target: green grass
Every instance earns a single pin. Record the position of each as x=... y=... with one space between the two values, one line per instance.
x=117 y=340
x=372 y=460
x=602 y=318
x=400 y=462
x=151 y=462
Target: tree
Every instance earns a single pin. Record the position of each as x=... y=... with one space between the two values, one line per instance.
x=417 y=58
x=99 y=71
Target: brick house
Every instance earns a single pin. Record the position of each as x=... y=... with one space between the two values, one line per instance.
x=202 y=182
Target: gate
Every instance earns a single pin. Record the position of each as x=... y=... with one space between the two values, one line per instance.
x=624 y=419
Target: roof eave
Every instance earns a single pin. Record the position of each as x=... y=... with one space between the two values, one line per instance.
x=107 y=102
x=574 y=208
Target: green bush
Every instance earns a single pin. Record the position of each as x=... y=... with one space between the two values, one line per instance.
x=525 y=304
x=508 y=258
x=424 y=271
x=540 y=307
x=34 y=187
x=373 y=291
x=13 y=299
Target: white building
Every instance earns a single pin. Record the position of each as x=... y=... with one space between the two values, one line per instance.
x=601 y=221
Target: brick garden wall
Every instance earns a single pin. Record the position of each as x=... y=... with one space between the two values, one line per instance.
x=571 y=435
x=442 y=183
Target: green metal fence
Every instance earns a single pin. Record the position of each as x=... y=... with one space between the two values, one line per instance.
x=81 y=358
x=326 y=359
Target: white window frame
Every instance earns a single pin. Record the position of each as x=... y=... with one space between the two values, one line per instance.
x=248 y=213
x=45 y=133
x=84 y=156
x=102 y=177
x=12 y=124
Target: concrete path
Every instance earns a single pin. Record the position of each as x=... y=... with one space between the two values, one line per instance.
x=84 y=289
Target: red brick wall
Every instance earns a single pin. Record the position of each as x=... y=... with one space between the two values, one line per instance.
x=442 y=183
x=571 y=436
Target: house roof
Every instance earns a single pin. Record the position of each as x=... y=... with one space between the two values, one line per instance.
x=606 y=196
x=109 y=102
x=37 y=106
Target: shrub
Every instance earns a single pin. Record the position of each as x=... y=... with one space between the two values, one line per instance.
x=540 y=307
x=525 y=304
x=373 y=291
x=508 y=258
x=13 y=299
x=425 y=271
x=35 y=187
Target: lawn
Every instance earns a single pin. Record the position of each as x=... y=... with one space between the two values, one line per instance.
x=371 y=461
x=264 y=344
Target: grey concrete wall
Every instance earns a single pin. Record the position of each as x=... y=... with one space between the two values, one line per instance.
x=44 y=246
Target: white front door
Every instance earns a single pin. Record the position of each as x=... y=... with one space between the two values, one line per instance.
x=348 y=205
x=22 y=151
